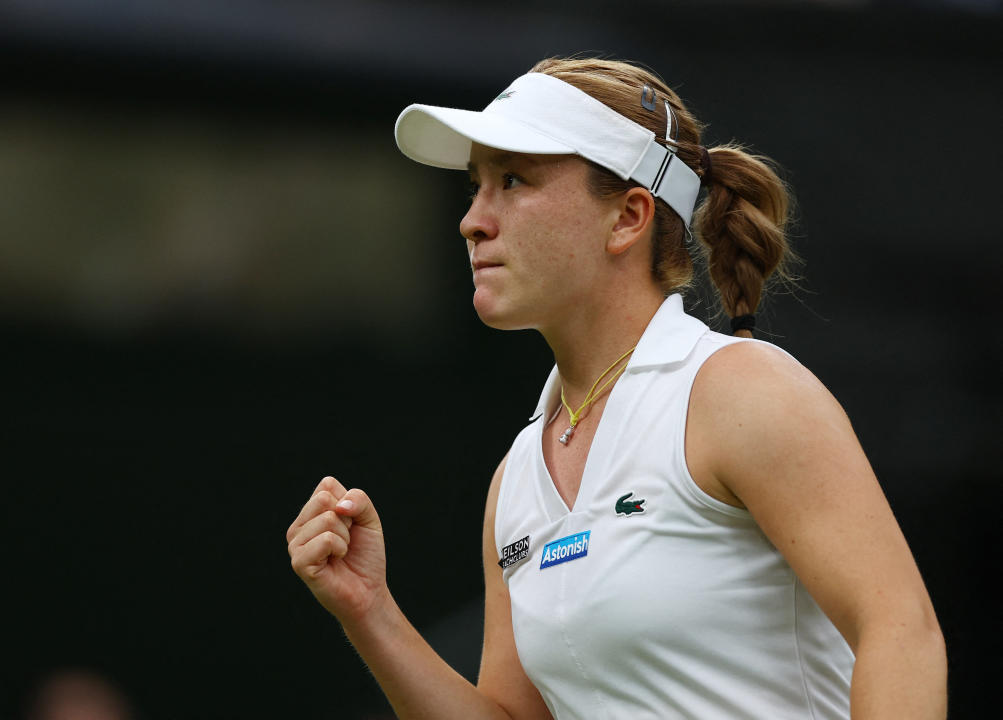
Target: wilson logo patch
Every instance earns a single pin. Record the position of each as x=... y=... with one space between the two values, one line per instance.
x=515 y=552
x=566 y=549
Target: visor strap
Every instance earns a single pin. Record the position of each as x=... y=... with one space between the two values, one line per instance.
x=668 y=178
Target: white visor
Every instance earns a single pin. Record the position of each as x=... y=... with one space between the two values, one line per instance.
x=539 y=114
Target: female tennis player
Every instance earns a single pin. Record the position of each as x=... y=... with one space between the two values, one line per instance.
x=688 y=527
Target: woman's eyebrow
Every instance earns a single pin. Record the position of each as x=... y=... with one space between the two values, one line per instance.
x=500 y=158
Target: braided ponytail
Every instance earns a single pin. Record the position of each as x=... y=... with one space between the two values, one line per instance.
x=741 y=226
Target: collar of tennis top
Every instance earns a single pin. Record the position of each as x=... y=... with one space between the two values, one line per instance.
x=669 y=338
x=539 y=114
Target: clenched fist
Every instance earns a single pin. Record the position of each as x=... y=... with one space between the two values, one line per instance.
x=336 y=547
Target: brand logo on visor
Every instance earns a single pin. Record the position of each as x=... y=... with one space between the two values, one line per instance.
x=505 y=95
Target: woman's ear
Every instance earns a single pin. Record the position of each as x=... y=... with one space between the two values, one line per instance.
x=636 y=215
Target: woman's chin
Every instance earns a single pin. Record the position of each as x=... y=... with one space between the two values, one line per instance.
x=495 y=314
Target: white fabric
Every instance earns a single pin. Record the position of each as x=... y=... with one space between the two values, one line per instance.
x=684 y=610
x=541 y=114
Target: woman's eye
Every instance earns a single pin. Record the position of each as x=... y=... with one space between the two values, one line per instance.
x=508 y=180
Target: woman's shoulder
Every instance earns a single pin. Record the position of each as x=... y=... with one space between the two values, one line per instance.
x=753 y=406
x=744 y=368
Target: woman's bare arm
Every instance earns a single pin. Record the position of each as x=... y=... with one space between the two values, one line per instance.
x=763 y=432
x=336 y=547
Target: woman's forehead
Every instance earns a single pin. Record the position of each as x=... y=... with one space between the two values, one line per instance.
x=482 y=157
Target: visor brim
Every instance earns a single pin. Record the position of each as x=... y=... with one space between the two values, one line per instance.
x=442 y=137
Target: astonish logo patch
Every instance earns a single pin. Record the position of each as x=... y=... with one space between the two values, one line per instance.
x=566 y=549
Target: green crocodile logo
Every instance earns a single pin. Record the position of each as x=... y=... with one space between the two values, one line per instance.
x=625 y=507
x=506 y=95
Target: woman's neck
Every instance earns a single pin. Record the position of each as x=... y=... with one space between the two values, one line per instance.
x=593 y=337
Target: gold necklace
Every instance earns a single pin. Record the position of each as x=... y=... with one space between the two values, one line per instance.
x=592 y=396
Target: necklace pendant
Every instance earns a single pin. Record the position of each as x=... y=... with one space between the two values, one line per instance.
x=566 y=435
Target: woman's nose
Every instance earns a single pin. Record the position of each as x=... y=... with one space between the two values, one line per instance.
x=479 y=223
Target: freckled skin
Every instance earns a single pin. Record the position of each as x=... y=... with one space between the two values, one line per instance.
x=535 y=216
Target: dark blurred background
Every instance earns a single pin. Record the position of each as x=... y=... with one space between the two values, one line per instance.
x=219 y=281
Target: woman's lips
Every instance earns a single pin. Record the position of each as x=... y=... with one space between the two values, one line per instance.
x=484 y=265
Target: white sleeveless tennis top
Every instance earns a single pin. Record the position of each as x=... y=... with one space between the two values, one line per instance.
x=650 y=599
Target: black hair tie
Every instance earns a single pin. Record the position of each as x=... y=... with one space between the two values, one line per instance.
x=708 y=177
x=743 y=322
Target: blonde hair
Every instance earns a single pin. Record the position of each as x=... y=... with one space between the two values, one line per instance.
x=740 y=223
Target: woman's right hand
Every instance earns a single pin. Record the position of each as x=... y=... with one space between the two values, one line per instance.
x=336 y=547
